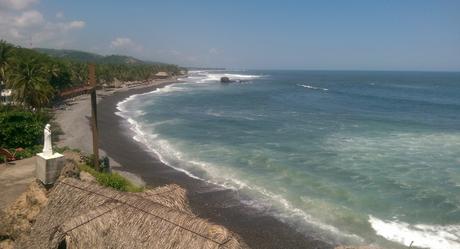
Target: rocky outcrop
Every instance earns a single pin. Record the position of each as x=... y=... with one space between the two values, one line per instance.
x=225 y=80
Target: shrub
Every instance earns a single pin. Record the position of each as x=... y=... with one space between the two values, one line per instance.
x=64 y=149
x=112 y=180
x=29 y=151
x=20 y=127
x=104 y=163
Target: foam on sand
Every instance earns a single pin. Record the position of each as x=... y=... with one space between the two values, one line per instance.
x=420 y=235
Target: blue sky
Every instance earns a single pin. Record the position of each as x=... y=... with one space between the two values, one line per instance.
x=350 y=35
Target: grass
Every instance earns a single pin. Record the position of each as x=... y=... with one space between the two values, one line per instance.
x=113 y=180
x=64 y=149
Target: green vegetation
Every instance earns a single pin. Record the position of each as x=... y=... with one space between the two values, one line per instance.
x=64 y=149
x=31 y=83
x=38 y=76
x=29 y=151
x=113 y=180
x=21 y=127
x=111 y=67
x=70 y=54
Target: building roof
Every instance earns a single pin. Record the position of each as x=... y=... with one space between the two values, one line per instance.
x=162 y=74
x=86 y=215
x=6 y=92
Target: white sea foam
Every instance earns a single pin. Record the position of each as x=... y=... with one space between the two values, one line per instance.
x=425 y=236
x=313 y=87
x=210 y=76
x=231 y=178
x=221 y=175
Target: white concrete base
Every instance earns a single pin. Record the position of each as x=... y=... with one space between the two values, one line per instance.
x=48 y=168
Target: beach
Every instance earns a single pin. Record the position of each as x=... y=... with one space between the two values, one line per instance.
x=134 y=160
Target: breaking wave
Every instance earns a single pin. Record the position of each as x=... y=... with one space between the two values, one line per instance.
x=313 y=87
x=210 y=76
x=420 y=235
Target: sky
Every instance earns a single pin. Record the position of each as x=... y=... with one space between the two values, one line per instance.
x=311 y=35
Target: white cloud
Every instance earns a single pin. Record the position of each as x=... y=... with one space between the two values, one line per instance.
x=30 y=27
x=125 y=44
x=28 y=19
x=75 y=25
x=122 y=42
x=17 y=4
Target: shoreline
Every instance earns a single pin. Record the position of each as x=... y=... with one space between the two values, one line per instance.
x=221 y=206
x=133 y=160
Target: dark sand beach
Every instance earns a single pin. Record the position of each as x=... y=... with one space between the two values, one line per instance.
x=257 y=229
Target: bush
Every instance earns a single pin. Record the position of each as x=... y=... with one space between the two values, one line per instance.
x=64 y=149
x=20 y=127
x=113 y=180
x=29 y=151
x=104 y=163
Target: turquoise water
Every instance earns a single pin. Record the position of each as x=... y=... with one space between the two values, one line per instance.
x=357 y=157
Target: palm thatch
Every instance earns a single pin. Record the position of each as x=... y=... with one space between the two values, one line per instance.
x=86 y=215
x=171 y=196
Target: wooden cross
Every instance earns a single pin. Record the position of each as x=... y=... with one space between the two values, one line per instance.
x=92 y=83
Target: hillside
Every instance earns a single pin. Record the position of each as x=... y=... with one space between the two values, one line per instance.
x=81 y=56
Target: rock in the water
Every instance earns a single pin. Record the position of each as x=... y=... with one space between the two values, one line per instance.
x=225 y=80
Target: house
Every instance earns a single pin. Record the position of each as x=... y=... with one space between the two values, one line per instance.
x=162 y=75
x=6 y=96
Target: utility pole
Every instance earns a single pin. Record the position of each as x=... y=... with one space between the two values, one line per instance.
x=92 y=83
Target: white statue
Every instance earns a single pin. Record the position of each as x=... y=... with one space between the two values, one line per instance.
x=48 y=147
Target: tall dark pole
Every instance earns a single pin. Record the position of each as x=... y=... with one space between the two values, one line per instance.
x=92 y=83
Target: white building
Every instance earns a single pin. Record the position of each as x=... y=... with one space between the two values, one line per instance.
x=5 y=96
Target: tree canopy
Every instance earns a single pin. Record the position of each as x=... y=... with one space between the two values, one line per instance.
x=37 y=77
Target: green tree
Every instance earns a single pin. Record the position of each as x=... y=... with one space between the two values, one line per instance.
x=30 y=83
x=59 y=75
x=21 y=127
x=6 y=54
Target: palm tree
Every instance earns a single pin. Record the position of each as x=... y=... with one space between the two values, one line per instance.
x=6 y=51
x=30 y=84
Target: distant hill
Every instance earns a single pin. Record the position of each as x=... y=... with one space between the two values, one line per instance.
x=82 y=56
x=121 y=59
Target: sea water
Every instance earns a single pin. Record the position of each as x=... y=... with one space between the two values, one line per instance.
x=351 y=157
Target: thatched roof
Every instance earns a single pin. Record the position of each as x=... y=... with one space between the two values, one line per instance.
x=86 y=215
x=162 y=74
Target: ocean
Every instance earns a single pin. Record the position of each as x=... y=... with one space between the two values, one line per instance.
x=356 y=157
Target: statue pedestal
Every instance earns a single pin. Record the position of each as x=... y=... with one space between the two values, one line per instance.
x=48 y=168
